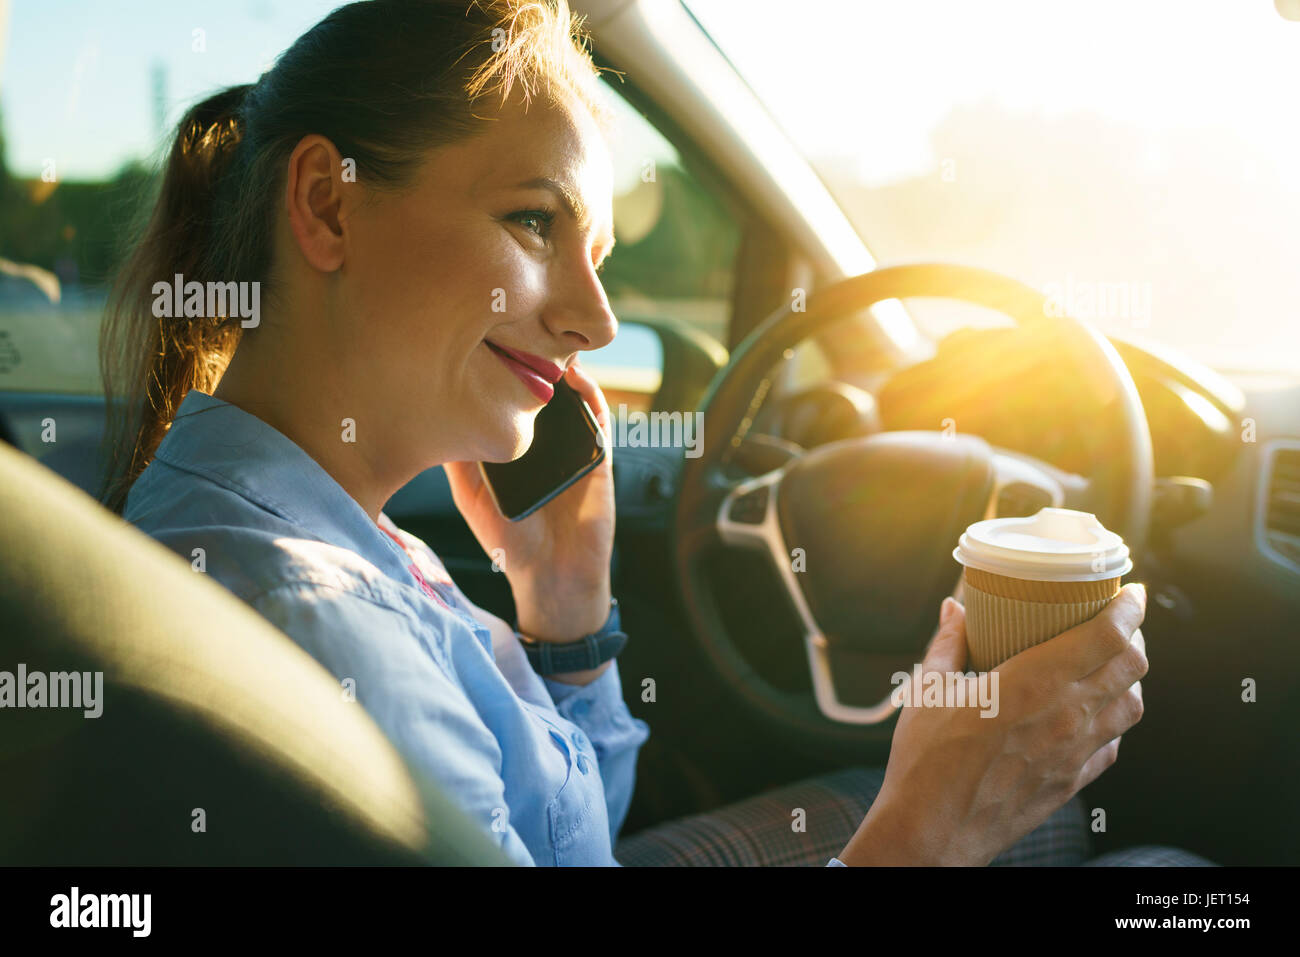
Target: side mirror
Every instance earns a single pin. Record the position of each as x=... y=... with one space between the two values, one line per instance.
x=656 y=364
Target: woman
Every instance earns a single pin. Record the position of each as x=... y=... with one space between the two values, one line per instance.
x=419 y=195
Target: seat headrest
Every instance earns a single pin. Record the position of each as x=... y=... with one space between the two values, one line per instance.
x=217 y=740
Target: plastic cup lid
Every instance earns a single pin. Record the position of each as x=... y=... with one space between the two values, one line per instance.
x=1056 y=544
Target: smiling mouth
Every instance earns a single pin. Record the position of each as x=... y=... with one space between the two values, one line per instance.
x=538 y=384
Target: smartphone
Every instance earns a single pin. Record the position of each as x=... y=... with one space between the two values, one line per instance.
x=567 y=444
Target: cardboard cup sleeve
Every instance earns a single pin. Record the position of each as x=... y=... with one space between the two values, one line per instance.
x=1005 y=616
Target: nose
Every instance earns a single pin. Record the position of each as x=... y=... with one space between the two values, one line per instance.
x=579 y=312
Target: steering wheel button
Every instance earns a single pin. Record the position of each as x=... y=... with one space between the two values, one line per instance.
x=751 y=507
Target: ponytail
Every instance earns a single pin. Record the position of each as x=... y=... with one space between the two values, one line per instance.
x=150 y=363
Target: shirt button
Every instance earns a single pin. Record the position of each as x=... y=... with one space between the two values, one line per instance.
x=582 y=763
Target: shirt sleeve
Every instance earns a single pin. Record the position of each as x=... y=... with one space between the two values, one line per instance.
x=599 y=710
x=422 y=710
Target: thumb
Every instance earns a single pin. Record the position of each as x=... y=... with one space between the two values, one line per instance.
x=947 y=650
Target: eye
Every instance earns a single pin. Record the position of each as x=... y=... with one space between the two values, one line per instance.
x=536 y=221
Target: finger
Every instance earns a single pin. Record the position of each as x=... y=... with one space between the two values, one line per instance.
x=947 y=649
x=591 y=393
x=1101 y=759
x=1086 y=647
x=590 y=390
x=1117 y=717
x=1120 y=672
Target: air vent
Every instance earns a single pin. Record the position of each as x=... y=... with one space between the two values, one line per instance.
x=1280 y=508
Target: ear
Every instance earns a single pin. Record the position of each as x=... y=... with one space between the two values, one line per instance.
x=318 y=201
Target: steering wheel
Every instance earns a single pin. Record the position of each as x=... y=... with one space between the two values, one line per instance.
x=860 y=532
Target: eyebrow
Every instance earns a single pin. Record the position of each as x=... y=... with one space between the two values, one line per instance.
x=572 y=202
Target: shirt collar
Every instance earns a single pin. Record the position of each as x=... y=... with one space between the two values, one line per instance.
x=223 y=443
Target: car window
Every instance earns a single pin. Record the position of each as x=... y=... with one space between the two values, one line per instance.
x=676 y=244
x=1135 y=162
x=89 y=94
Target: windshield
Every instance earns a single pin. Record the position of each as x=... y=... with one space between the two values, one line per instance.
x=1138 y=162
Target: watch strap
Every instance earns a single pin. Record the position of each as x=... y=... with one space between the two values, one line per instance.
x=587 y=652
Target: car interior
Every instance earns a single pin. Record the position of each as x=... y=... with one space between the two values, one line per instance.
x=834 y=425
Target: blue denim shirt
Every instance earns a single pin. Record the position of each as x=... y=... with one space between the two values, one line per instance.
x=546 y=768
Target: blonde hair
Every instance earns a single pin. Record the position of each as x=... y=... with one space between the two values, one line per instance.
x=538 y=43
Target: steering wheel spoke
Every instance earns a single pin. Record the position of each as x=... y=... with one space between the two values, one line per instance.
x=748 y=518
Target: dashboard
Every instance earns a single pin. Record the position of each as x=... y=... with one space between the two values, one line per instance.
x=1226 y=452
x=1014 y=388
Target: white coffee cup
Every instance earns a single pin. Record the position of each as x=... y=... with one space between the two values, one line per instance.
x=1027 y=579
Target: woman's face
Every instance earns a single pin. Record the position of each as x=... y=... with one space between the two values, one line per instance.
x=496 y=247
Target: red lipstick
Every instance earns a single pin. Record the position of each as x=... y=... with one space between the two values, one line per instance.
x=534 y=372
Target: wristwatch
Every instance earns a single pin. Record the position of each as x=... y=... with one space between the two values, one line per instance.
x=590 y=651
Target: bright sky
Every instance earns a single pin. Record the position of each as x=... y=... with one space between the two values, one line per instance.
x=1148 y=145
x=840 y=72
x=76 y=80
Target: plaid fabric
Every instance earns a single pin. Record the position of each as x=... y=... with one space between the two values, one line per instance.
x=1063 y=840
x=1149 y=856
x=760 y=832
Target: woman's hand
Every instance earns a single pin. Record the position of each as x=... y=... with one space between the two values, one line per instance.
x=557 y=559
x=960 y=788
